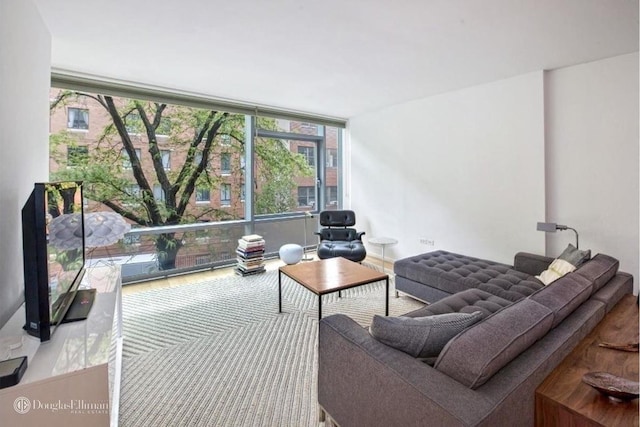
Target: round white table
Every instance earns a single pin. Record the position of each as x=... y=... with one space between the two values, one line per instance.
x=383 y=242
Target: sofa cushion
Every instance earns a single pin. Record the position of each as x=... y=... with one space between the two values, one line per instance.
x=599 y=269
x=421 y=336
x=564 y=295
x=473 y=356
x=468 y=301
x=570 y=259
x=512 y=285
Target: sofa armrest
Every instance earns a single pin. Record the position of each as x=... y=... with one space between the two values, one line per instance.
x=363 y=382
x=531 y=263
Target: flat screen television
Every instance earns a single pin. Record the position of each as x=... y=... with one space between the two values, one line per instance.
x=54 y=253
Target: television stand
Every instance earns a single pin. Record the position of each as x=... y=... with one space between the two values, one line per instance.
x=72 y=380
x=80 y=306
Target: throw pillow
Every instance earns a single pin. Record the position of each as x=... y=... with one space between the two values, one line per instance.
x=421 y=336
x=570 y=259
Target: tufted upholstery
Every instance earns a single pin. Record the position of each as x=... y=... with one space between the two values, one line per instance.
x=467 y=301
x=338 y=239
x=452 y=273
x=512 y=285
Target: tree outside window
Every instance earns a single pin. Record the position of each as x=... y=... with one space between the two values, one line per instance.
x=77 y=155
x=198 y=136
x=126 y=161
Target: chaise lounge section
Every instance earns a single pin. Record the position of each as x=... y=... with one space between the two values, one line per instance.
x=435 y=275
x=484 y=376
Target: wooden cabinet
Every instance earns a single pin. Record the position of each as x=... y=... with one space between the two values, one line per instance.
x=73 y=379
x=564 y=400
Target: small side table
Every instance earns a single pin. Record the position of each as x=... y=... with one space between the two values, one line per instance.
x=383 y=242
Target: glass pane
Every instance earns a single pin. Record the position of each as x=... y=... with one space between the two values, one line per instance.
x=332 y=168
x=283 y=169
x=282 y=125
x=177 y=177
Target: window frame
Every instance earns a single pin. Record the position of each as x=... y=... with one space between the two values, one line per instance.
x=225 y=190
x=77 y=110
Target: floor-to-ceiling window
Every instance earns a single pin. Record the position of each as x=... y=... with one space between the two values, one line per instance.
x=178 y=173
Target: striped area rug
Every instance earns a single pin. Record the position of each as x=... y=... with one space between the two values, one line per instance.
x=217 y=353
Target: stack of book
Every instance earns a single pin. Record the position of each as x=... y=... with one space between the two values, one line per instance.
x=250 y=255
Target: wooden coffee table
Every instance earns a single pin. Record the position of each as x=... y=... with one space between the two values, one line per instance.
x=331 y=275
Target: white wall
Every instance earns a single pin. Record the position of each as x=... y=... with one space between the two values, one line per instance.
x=25 y=57
x=592 y=157
x=464 y=169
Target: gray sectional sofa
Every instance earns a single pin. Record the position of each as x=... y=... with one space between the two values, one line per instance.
x=487 y=374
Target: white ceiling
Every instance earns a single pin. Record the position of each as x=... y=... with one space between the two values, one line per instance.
x=337 y=58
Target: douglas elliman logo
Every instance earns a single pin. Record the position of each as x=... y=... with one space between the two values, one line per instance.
x=22 y=405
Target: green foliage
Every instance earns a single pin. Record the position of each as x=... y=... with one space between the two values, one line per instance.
x=115 y=177
x=277 y=169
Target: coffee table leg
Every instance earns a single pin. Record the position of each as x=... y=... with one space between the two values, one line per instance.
x=319 y=307
x=386 y=299
x=279 y=292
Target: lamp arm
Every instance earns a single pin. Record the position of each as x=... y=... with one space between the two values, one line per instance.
x=575 y=231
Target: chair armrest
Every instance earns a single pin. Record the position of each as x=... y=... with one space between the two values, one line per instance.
x=364 y=382
x=359 y=235
x=531 y=263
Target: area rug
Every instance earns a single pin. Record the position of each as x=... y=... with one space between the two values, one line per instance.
x=217 y=353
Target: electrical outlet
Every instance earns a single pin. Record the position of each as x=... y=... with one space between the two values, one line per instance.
x=427 y=242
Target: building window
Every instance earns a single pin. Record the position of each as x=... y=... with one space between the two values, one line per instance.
x=225 y=140
x=78 y=118
x=309 y=154
x=332 y=196
x=76 y=156
x=306 y=196
x=225 y=195
x=332 y=158
x=225 y=163
x=132 y=195
x=133 y=123
x=203 y=195
x=166 y=159
x=243 y=192
x=126 y=161
x=158 y=193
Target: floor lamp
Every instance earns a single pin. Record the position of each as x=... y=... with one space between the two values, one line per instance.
x=551 y=227
x=304 y=248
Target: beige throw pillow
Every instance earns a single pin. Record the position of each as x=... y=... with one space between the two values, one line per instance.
x=556 y=270
x=570 y=259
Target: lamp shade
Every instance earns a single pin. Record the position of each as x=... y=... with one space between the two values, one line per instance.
x=104 y=228
x=549 y=227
